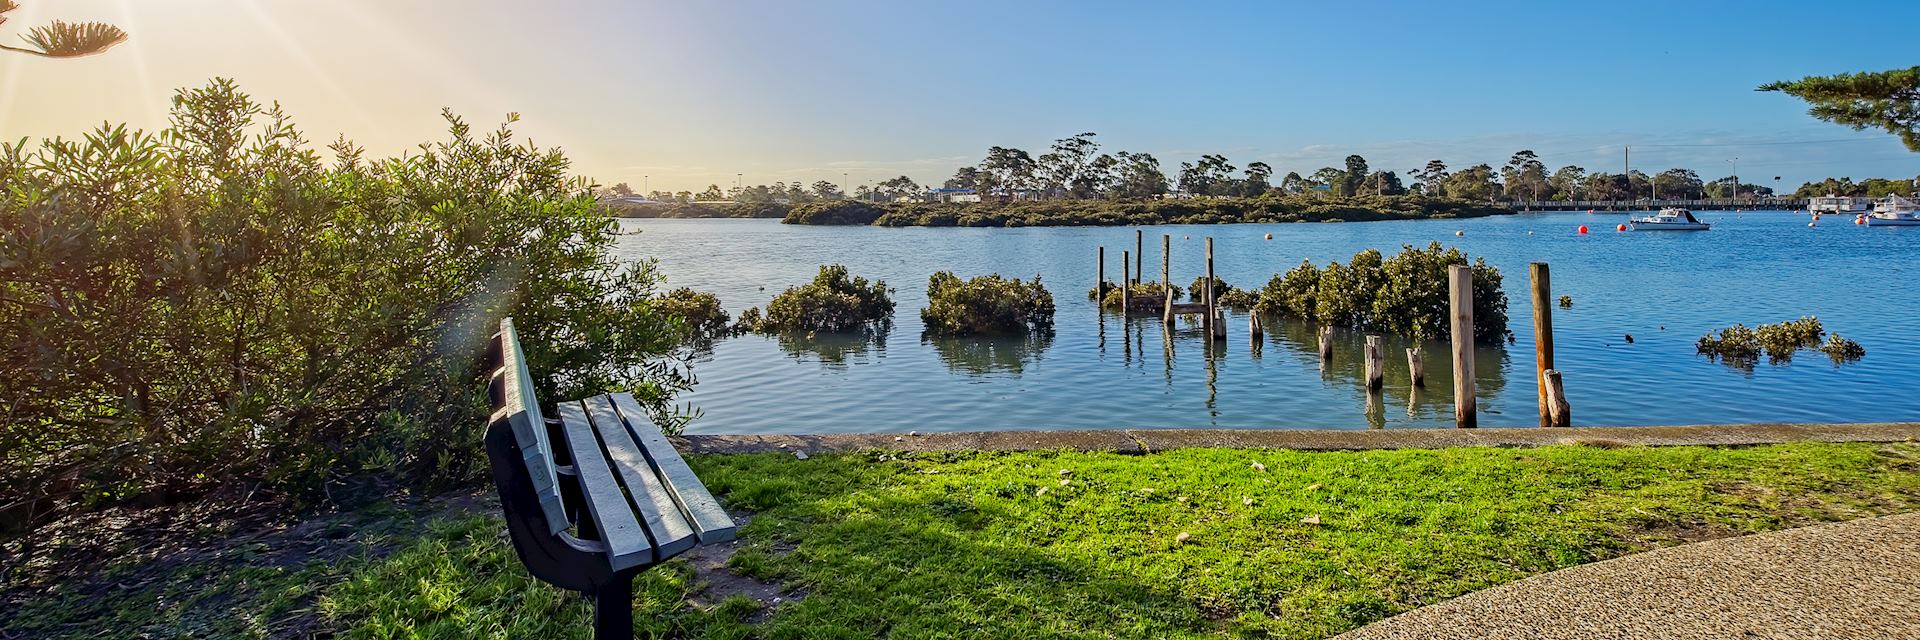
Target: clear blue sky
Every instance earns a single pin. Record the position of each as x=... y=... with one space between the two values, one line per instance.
x=691 y=93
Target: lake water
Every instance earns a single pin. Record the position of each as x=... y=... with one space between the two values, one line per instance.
x=1664 y=288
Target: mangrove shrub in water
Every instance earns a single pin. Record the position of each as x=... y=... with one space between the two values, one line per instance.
x=986 y=305
x=1146 y=295
x=701 y=317
x=1406 y=294
x=833 y=303
x=1740 y=345
x=220 y=305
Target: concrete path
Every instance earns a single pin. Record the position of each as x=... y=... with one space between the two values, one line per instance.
x=1857 y=579
x=1151 y=440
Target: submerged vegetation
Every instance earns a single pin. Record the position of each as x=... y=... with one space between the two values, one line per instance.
x=986 y=305
x=218 y=305
x=1742 y=346
x=1267 y=208
x=1406 y=294
x=833 y=303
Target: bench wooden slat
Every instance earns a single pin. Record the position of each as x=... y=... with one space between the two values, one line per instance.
x=711 y=524
x=626 y=542
x=530 y=427
x=669 y=528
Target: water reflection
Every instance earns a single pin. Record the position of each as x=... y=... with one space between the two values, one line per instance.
x=1348 y=369
x=835 y=350
x=985 y=355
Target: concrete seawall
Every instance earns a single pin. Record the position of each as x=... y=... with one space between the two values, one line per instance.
x=1151 y=440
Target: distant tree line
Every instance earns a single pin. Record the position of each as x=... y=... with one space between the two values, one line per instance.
x=1076 y=169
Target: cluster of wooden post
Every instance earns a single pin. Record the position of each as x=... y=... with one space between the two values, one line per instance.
x=1554 y=409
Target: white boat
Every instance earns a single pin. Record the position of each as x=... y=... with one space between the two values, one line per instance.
x=1839 y=205
x=1895 y=211
x=1669 y=219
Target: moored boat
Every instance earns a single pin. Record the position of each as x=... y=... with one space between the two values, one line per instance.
x=1895 y=211
x=1669 y=219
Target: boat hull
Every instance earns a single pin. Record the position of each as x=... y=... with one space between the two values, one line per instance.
x=1892 y=222
x=1669 y=226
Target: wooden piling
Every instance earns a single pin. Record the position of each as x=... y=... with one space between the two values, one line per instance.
x=1100 y=278
x=1126 y=291
x=1542 y=336
x=1255 y=328
x=1166 y=278
x=1326 y=344
x=1376 y=363
x=1460 y=300
x=1212 y=319
x=1419 y=369
x=1557 y=399
x=1139 y=253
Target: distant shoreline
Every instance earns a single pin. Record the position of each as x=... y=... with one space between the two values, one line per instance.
x=1079 y=213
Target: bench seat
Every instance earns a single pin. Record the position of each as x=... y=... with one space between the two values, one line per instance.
x=593 y=495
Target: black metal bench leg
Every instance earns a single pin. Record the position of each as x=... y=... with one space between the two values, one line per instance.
x=613 y=609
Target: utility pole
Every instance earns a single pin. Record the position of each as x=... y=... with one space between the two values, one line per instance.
x=1626 y=169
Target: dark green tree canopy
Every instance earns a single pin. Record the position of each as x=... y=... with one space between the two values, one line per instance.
x=1888 y=100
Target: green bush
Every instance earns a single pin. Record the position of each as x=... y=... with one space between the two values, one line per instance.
x=832 y=303
x=834 y=212
x=1779 y=341
x=1142 y=292
x=986 y=305
x=700 y=314
x=1842 y=349
x=1406 y=294
x=217 y=305
x=1198 y=288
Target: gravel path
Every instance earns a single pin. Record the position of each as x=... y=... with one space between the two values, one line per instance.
x=1858 y=579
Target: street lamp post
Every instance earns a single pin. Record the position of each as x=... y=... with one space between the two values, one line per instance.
x=1735 y=161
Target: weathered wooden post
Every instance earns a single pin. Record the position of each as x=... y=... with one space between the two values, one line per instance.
x=1214 y=330
x=1376 y=363
x=1100 y=279
x=1419 y=370
x=1255 y=328
x=1460 y=299
x=1166 y=278
x=1326 y=344
x=1557 y=399
x=1126 y=290
x=1543 y=338
x=1139 y=253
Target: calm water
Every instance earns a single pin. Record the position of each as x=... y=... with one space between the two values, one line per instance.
x=1097 y=371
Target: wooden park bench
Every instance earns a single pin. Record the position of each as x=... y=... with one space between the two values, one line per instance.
x=593 y=497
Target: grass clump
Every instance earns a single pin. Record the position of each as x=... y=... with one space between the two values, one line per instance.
x=986 y=305
x=833 y=303
x=1405 y=294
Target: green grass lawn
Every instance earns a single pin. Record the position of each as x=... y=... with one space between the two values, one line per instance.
x=1199 y=543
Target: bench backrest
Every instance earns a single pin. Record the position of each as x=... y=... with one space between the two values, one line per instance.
x=511 y=389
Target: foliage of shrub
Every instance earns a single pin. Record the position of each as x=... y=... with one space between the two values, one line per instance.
x=700 y=210
x=218 y=305
x=1734 y=343
x=835 y=212
x=832 y=303
x=1240 y=298
x=1266 y=208
x=1146 y=295
x=1198 y=288
x=1843 y=349
x=700 y=314
x=1779 y=341
x=1566 y=302
x=986 y=305
x=1406 y=294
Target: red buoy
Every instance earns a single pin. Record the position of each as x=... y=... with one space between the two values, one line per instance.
x=1583 y=229
x=1620 y=227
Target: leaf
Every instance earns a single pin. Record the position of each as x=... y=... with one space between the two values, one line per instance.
x=1312 y=520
